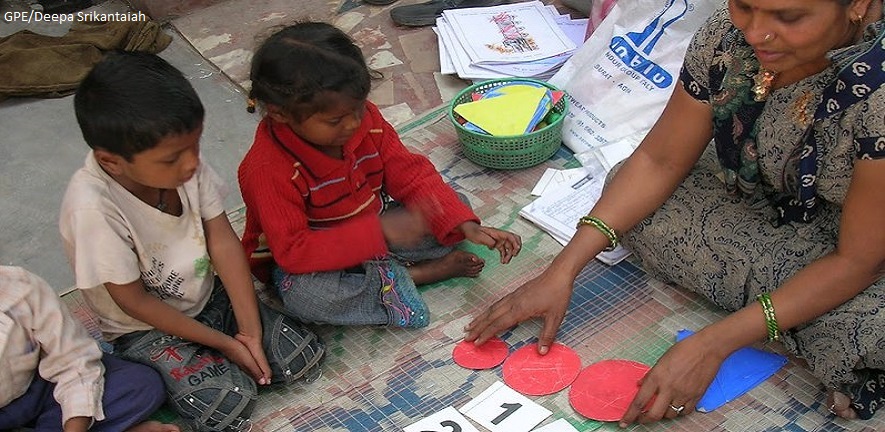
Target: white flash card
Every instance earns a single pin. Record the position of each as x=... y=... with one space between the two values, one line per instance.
x=447 y=420
x=501 y=409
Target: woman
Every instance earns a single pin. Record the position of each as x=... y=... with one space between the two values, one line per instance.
x=797 y=225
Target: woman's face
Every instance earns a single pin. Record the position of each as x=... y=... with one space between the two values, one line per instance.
x=789 y=34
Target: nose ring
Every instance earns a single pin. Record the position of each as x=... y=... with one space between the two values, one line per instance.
x=767 y=37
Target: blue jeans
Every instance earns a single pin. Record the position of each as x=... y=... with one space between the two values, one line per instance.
x=354 y=296
x=132 y=392
x=207 y=389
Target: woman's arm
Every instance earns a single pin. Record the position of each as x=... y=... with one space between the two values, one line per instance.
x=644 y=182
x=682 y=375
x=647 y=178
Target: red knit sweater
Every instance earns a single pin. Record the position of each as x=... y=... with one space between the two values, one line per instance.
x=309 y=212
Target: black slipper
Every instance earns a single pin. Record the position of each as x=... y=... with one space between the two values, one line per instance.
x=425 y=14
x=869 y=394
x=379 y=2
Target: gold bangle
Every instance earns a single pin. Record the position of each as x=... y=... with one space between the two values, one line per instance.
x=606 y=230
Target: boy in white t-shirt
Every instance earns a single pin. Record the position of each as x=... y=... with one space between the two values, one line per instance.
x=144 y=227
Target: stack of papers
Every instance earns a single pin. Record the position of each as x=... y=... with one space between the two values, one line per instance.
x=528 y=40
x=566 y=196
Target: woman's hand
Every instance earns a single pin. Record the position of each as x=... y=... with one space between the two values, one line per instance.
x=546 y=296
x=676 y=383
x=507 y=243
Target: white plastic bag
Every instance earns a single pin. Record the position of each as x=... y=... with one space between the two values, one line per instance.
x=619 y=80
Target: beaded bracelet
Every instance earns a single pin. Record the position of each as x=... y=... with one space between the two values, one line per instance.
x=606 y=230
x=770 y=319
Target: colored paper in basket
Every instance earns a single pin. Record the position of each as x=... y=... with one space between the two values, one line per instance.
x=506 y=115
x=544 y=106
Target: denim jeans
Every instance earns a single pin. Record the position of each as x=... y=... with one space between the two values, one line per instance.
x=353 y=296
x=206 y=388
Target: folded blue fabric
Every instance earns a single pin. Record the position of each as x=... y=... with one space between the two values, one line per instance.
x=740 y=372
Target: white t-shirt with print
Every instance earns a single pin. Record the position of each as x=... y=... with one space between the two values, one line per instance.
x=112 y=236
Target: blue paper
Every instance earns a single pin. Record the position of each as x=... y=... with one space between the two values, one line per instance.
x=740 y=372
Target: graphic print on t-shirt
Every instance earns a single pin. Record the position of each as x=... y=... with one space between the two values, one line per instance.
x=157 y=285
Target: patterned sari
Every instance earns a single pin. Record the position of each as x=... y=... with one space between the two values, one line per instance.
x=786 y=167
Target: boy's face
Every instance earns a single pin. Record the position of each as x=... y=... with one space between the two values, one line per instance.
x=169 y=164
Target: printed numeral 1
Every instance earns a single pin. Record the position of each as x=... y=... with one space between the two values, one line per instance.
x=509 y=408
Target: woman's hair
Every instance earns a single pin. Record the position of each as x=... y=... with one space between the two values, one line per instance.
x=295 y=65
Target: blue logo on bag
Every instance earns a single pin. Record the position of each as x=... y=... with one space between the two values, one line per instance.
x=631 y=49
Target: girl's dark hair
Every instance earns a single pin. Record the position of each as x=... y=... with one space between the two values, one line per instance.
x=295 y=65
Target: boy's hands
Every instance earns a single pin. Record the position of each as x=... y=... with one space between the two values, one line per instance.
x=254 y=345
x=507 y=243
x=404 y=227
x=246 y=351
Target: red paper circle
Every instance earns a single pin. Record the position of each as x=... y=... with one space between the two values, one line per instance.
x=533 y=374
x=485 y=356
x=604 y=390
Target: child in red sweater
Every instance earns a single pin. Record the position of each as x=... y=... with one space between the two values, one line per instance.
x=341 y=218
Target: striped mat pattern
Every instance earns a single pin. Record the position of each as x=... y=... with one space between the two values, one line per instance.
x=380 y=379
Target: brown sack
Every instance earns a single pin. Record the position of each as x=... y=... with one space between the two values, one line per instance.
x=46 y=66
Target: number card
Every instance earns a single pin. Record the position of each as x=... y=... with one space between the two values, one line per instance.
x=447 y=420
x=501 y=409
x=560 y=425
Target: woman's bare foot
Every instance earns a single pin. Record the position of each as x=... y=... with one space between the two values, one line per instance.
x=454 y=264
x=839 y=405
x=154 y=426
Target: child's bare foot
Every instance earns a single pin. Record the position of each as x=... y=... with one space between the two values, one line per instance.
x=154 y=426
x=839 y=405
x=455 y=264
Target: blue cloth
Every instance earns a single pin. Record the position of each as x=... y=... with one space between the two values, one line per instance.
x=132 y=392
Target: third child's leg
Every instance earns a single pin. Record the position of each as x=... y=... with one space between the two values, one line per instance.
x=132 y=392
x=37 y=405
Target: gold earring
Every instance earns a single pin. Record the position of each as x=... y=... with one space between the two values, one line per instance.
x=857 y=19
x=250 y=105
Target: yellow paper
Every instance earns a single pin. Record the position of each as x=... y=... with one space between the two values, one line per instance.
x=508 y=114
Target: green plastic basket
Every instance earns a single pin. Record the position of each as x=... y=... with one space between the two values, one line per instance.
x=514 y=151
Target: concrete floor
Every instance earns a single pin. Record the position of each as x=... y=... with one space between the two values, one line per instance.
x=41 y=145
